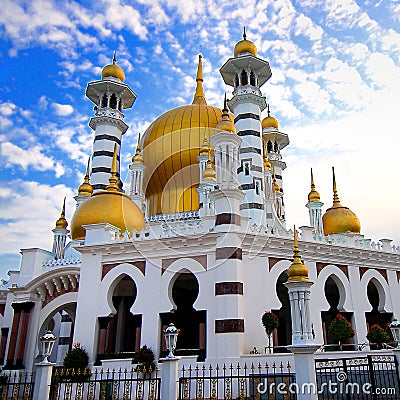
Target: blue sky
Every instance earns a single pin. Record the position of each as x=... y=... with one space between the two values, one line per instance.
x=335 y=89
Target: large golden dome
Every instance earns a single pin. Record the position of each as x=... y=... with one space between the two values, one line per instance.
x=171 y=146
x=339 y=219
x=109 y=206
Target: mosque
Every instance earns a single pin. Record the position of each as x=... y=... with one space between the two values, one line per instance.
x=197 y=238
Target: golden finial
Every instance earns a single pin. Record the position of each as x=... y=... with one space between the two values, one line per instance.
x=297 y=271
x=199 y=97
x=205 y=147
x=244 y=33
x=86 y=189
x=313 y=196
x=276 y=187
x=226 y=123
x=62 y=223
x=267 y=164
x=336 y=201
x=209 y=173
x=113 y=180
x=114 y=60
x=138 y=157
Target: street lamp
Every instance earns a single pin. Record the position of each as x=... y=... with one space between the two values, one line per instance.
x=48 y=339
x=171 y=336
x=395 y=329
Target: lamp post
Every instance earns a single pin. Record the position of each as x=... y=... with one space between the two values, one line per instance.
x=48 y=339
x=171 y=336
x=395 y=329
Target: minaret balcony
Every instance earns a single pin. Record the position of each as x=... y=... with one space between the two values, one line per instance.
x=108 y=112
x=246 y=89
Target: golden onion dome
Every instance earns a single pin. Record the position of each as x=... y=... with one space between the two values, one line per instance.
x=245 y=46
x=313 y=196
x=226 y=124
x=86 y=189
x=339 y=219
x=62 y=223
x=113 y=70
x=297 y=271
x=209 y=173
x=269 y=121
x=171 y=145
x=107 y=206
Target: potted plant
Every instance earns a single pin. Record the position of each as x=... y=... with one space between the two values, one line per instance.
x=340 y=329
x=75 y=363
x=270 y=322
x=144 y=358
x=377 y=336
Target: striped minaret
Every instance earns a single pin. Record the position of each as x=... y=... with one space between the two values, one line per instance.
x=228 y=313
x=137 y=168
x=110 y=96
x=247 y=73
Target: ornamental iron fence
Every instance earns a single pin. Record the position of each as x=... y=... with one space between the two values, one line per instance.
x=16 y=385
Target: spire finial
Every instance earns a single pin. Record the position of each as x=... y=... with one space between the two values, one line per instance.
x=199 y=97
x=114 y=60
x=297 y=271
x=268 y=110
x=336 y=201
x=62 y=223
x=86 y=189
x=113 y=180
x=244 y=33
x=312 y=180
x=63 y=209
x=225 y=104
x=138 y=149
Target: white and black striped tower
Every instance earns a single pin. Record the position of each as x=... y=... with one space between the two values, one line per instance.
x=314 y=206
x=275 y=141
x=228 y=313
x=60 y=235
x=110 y=96
x=247 y=73
x=137 y=168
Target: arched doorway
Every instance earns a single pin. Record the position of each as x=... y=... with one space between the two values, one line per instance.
x=283 y=334
x=376 y=297
x=191 y=322
x=335 y=297
x=120 y=333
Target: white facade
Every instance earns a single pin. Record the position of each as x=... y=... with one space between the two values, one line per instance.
x=213 y=273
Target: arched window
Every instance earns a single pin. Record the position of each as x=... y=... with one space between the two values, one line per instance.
x=252 y=79
x=257 y=188
x=246 y=169
x=113 y=101
x=104 y=100
x=236 y=80
x=269 y=146
x=244 y=78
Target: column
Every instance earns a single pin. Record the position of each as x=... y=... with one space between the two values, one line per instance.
x=103 y=325
x=14 y=333
x=23 y=333
x=3 y=342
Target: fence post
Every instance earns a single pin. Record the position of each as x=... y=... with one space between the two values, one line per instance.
x=169 y=379
x=43 y=374
x=396 y=352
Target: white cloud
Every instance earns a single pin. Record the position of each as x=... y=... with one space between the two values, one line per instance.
x=62 y=110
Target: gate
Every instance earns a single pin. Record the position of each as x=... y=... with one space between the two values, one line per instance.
x=374 y=377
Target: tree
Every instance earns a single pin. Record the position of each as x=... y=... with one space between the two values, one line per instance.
x=270 y=322
x=377 y=335
x=340 y=329
x=76 y=358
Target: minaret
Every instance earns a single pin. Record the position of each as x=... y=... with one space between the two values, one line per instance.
x=203 y=156
x=278 y=197
x=247 y=73
x=85 y=190
x=137 y=168
x=110 y=96
x=275 y=141
x=60 y=235
x=207 y=184
x=314 y=206
x=299 y=286
x=269 y=190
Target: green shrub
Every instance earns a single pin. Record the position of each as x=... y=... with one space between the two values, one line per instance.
x=377 y=335
x=340 y=329
x=145 y=359
x=76 y=358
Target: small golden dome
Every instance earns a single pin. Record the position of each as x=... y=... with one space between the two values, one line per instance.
x=297 y=271
x=86 y=188
x=62 y=223
x=109 y=206
x=226 y=123
x=245 y=46
x=138 y=156
x=339 y=219
x=313 y=196
x=209 y=173
x=205 y=148
x=113 y=70
x=269 y=121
